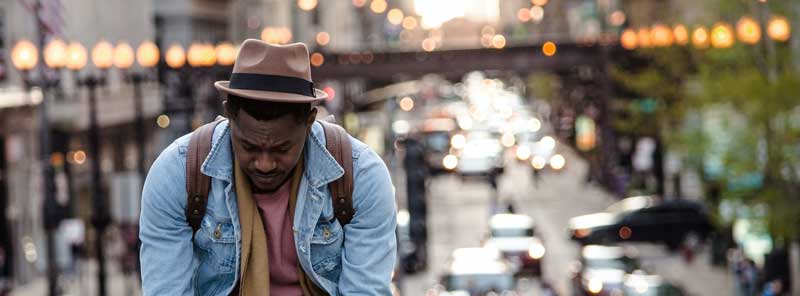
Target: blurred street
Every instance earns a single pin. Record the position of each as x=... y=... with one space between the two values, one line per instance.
x=536 y=147
x=462 y=208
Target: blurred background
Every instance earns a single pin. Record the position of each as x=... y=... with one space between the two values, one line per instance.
x=562 y=147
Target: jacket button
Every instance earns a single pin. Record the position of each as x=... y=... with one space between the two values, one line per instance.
x=341 y=200
x=196 y=212
x=196 y=199
x=326 y=233
x=344 y=212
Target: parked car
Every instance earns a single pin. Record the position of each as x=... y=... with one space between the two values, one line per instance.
x=644 y=219
x=601 y=270
x=514 y=236
x=476 y=272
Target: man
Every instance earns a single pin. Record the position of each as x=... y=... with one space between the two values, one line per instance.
x=269 y=226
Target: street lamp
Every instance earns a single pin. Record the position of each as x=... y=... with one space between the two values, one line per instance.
x=55 y=54
x=176 y=56
x=24 y=56
x=628 y=39
x=76 y=56
x=226 y=54
x=721 y=35
x=779 y=29
x=748 y=30
x=102 y=58
x=700 y=38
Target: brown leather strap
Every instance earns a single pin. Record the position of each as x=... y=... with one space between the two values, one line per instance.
x=337 y=142
x=198 y=184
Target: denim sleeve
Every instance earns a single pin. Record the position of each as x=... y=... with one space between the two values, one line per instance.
x=167 y=256
x=370 y=246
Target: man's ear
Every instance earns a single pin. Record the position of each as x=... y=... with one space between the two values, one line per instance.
x=312 y=116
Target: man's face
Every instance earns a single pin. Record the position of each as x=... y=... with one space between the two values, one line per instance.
x=268 y=150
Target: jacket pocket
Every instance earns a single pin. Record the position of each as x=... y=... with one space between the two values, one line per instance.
x=326 y=249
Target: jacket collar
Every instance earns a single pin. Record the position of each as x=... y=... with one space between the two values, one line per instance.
x=321 y=167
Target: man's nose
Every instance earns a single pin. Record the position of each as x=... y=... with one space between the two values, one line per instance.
x=264 y=163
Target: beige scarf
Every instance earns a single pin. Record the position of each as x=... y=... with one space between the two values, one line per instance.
x=255 y=259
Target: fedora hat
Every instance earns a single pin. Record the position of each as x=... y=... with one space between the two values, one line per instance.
x=273 y=73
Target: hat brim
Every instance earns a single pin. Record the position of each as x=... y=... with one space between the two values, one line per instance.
x=270 y=96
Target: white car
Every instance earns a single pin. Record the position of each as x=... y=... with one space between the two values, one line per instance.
x=482 y=154
x=513 y=235
x=476 y=271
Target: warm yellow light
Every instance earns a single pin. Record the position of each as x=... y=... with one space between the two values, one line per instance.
x=617 y=18
x=628 y=39
x=307 y=4
x=409 y=23
x=557 y=162
x=359 y=3
x=429 y=44
x=323 y=38
x=645 y=40
x=681 y=35
x=539 y=2
x=76 y=56
x=147 y=54
x=458 y=141
x=721 y=35
x=661 y=35
x=748 y=30
x=176 y=56
x=538 y=162
x=536 y=251
x=523 y=15
x=378 y=6
x=195 y=55
x=79 y=157
x=123 y=55
x=778 y=28
x=209 y=55
x=595 y=285
x=508 y=140
x=549 y=48
x=395 y=16
x=162 y=121
x=537 y=13
x=523 y=152
x=317 y=59
x=226 y=54
x=103 y=55
x=499 y=41
x=285 y=35
x=24 y=55
x=55 y=54
x=406 y=104
x=450 y=162
x=700 y=38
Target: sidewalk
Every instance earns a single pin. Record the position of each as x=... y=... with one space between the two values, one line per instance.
x=84 y=283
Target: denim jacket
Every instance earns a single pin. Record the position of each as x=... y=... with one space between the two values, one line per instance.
x=357 y=259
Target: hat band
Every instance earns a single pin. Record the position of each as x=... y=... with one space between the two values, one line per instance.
x=275 y=83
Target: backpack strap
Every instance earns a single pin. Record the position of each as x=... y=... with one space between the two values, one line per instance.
x=198 y=184
x=337 y=141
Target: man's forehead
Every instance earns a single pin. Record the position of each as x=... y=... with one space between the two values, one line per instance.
x=271 y=131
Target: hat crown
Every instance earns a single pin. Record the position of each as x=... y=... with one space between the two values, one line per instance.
x=259 y=57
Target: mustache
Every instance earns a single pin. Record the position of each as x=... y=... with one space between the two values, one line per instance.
x=266 y=175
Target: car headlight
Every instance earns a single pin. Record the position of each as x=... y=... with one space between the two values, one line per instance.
x=538 y=162
x=523 y=152
x=557 y=162
x=536 y=251
x=450 y=162
x=595 y=285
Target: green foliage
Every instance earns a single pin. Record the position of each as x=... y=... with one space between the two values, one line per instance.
x=736 y=108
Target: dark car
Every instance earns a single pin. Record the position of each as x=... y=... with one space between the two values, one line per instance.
x=602 y=270
x=644 y=219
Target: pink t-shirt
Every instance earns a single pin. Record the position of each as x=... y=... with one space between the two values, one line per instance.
x=274 y=209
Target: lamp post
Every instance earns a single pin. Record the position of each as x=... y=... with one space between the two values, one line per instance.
x=102 y=58
x=25 y=57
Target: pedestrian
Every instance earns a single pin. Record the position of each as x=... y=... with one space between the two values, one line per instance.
x=261 y=218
